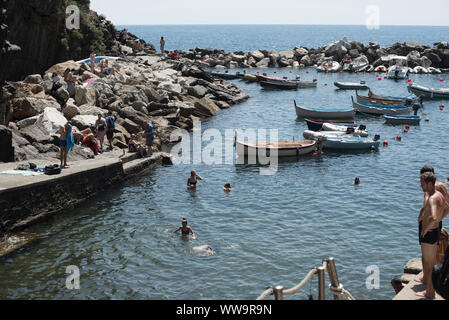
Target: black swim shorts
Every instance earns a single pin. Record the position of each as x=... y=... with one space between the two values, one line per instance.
x=109 y=134
x=431 y=237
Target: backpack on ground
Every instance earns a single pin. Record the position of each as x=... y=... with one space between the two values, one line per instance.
x=52 y=169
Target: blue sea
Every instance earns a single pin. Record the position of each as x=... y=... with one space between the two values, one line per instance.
x=280 y=37
x=271 y=229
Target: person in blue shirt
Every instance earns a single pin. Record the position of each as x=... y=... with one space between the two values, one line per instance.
x=149 y=136
x=110 y=126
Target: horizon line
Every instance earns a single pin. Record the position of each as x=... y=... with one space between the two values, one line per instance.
x=277 y=24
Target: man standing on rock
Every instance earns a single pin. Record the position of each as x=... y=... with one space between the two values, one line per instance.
x=149 y=136
x=110 y=122
x=430 y=217
x=162 y=42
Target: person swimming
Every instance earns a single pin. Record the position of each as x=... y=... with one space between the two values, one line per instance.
x=185 y=229
x=227 y=187
x=193 y=179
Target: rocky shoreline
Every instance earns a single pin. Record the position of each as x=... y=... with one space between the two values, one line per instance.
x=370 y=54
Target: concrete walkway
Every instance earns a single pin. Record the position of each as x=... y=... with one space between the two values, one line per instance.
x=410 y=290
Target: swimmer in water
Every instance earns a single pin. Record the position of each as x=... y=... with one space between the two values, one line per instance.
x=193 y=179
x=227 y=187
x=185 y=229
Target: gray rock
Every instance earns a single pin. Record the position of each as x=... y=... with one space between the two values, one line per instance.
x=27 y=122
x=300 y=52
x=33 y=78
x=84 y=121
x=23 y=108
x=264 y=63
x=197 y=91
x=205 y=107
x=131 y=126
x=257 y=55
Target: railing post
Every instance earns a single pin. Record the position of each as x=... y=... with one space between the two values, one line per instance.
x=278 y=292
x=321 y=287
x=333 y=277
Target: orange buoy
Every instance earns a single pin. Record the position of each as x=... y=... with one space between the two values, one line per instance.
x=385 y=143
x=372 y=148
x=398 y=138
x=405 y=130
x=407 y=126
x=427 y=119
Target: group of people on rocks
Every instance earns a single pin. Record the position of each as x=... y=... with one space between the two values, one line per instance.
x=104 y=127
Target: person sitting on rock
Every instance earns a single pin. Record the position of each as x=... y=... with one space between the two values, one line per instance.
x=134 y=146
x=90 y=141
x=71 y=81
x=55 y=80
x=79 y=135
x=105 y=70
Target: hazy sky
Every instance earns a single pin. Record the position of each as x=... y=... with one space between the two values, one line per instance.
x=393 y=12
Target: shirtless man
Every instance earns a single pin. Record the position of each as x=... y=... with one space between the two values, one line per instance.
x=429 y=229
x=441 y=188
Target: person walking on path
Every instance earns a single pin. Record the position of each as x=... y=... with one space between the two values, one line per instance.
x=429 y=229
x=110 y=122
x=100 y=127
x=162 y=42
x=66 y=143
x=149 y=136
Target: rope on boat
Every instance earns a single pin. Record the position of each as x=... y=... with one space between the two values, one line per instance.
x=302 y=283
x=340 y=290
x=265 y=294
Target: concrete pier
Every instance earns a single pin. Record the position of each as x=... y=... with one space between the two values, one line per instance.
x=25 y=200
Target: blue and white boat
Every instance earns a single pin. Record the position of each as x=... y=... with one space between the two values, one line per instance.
x=97 y=59
x=380 y=109
x=321 y=113
x=316 y=125
x=392 y=119
x=349 y=143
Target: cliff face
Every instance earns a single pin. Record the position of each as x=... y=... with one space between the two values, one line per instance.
x=39 y=28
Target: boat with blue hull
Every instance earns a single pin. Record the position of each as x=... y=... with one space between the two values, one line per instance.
x=349 y=143
x=322 y=113
x=316 y=125
x=380 y=109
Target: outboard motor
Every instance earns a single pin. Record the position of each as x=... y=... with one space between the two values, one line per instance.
x=362 y=127
x=376 y=137
x=408 y=102
x=315 y=80
x=415 y=109
x=350 y=130
x=396 y=73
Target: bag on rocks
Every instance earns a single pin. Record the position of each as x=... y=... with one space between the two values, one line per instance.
x=440 y=277
x=52 y=169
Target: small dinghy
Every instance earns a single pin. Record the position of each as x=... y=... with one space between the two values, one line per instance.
x=392 y=119
x=380 y=109
x=316 y=125
x=329 y=66
x=351 y=85
x=283 y=148
x=321 y=113
x=350 y=143
x=288 y=84
x=431 y=93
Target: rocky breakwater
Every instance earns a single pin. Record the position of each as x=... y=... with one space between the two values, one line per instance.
x=368 y=56
x=145 y=88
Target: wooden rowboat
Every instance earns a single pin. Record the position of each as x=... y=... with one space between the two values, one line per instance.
x=282 y=148
x=319 y=113
x=379 y=100
x=380 y=109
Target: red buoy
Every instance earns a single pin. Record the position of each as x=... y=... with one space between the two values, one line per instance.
x=407 y=126
x=409 y=80
x=405 y=130
x=398 y=138
x=379 y=78
x=441 y=79
x=385 y=143
x=427 y=119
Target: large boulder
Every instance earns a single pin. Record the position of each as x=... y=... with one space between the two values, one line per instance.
x=306 y=61
x=287 y=54
x=205 y=107
x=131 y=126
x=257 y=55
x=51 y=120
x=84 y=121
x=197 y=91
x=86 y=109
x=7 y=150
x=23 y=108
x=300 y=52
x=33 y=78
x=335 y=50
x=70 y=109
x=85 y=95
x=264 y=63
x=61 y=67
x=26 y=122
x=414 y=59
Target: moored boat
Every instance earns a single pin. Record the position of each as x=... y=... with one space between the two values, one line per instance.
x=350 y=143
x=321 y=113
x=380 y=109
x=287 y=84
x=383 y=100
x=316 y=125
x=329 y=66
x=351 y=85
x=226 y=75
x=282 y=148
x=431 y=93
x=393 y=119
